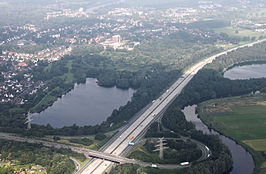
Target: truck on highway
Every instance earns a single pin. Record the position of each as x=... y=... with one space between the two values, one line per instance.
x=207 y=148
x=184 y=164
x=154 y=166
x=131 y=143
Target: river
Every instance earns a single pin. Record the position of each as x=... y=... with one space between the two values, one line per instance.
x=86 y=104
x=242 y=160
x=246 y=72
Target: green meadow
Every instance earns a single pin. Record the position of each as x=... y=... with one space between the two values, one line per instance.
x=241 y=118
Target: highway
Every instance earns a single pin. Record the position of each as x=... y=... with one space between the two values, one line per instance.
x=118 y=146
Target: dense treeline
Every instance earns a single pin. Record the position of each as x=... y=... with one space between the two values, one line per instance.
x=83 y=141
x=247 y=55
x=56 y=161
x=181 y=151
x=155 y=60
x=6 y=170
x=210 y=24
x=220 y=161
x=156 y=130
x=175 y=120
x=178 y=151
x=148 y=90
x=209 y=83
x=61 y=76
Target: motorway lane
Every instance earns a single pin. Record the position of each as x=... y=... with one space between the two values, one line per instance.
x=137 y=127
x=92 y=166
x=122 y=129
x=122 y=140
x=118 y=146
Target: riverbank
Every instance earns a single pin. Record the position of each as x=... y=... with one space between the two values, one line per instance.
x=242 y=119
x=243 y=162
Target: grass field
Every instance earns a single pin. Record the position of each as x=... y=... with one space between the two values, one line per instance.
x=263 y=171
x=68 y=77
x=243 y=122
x=242 y=118
x=95 y=144
x=241 y=32
x=49 y=98
x=139 y=152
x=157 y=3
x=44 y=103
x=264 y=165
x=258 y=145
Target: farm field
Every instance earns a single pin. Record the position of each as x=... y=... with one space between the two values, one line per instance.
x=157 y=2
x=241 y=118
x=239 y=32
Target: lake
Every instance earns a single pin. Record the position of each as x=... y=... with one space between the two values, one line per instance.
x=246 y=72
x=86 y=104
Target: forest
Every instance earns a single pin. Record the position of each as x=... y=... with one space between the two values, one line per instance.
x=209 y=83
x=55 y=161
x=62 y=75
x=159 y=59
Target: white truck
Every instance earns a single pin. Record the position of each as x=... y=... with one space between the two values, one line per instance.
x=154 y=165
x=184 y=164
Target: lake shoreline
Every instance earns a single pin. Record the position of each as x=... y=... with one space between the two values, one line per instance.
x=246 y=72
x=89 y=95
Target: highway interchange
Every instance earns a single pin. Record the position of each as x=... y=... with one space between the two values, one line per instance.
x=116 y=148
x=87 y=152
x=119 y=145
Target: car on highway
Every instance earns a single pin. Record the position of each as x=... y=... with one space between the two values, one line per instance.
x=131 y=143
